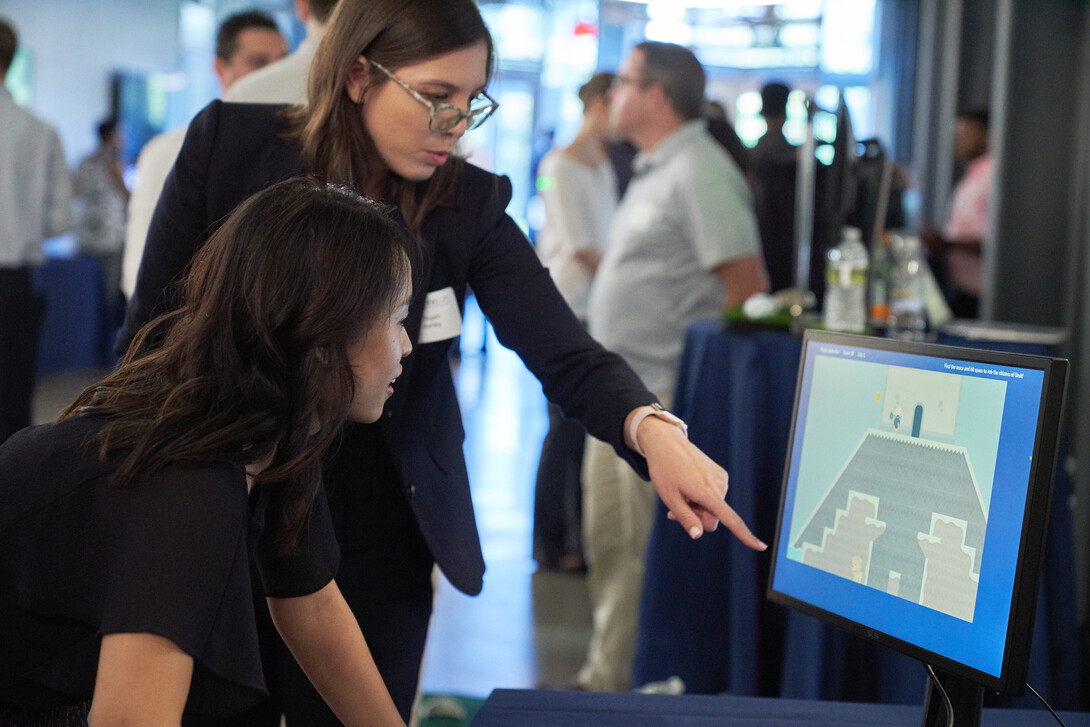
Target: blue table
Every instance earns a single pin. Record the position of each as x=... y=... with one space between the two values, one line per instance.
x=76 y=332
x=704 y=616
x=508 y=707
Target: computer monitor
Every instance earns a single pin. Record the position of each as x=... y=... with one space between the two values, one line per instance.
x=915 y=503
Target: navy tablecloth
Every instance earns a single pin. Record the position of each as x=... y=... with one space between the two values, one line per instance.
x=509 y=707
x=77 y=331
x=704 y=615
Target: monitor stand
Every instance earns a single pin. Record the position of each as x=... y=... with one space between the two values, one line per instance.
x=966 y=697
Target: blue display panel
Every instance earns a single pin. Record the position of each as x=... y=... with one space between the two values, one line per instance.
x=906 y=493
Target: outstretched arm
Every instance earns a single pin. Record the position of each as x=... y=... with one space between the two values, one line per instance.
x=325 y=639
x=689 y=482
x=142 y=678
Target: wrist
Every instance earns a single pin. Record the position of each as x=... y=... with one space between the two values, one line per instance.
x=657 y=411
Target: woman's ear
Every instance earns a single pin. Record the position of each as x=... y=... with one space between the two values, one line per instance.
x=358 y=75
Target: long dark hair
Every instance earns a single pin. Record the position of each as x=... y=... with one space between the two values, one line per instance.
x=255 y=365
x=395 y=33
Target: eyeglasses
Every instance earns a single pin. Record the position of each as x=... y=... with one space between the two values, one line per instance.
x=619 y=81
x=444 y=116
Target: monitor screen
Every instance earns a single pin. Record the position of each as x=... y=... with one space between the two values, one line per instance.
x=915 y=498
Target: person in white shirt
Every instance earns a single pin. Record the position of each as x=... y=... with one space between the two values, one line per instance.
x=245 y=42
x=579 y=189
x=35 y=204
x=285 y=81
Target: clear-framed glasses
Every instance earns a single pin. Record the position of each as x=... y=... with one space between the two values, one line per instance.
x=620 y=81
x=444 y=116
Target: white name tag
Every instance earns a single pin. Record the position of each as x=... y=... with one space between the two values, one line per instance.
x=441 y=320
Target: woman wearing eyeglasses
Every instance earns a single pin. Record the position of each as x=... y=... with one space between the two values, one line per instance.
x=393 y=87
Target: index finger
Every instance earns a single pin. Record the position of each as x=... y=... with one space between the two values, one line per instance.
x=734 y=523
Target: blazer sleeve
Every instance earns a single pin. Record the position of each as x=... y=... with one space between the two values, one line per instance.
x=529 y=315
x=179 y=225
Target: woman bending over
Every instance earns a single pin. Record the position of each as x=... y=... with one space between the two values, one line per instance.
x=127 y=526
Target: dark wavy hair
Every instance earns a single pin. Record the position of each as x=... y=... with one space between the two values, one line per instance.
x=333 y=141
x=255 y=365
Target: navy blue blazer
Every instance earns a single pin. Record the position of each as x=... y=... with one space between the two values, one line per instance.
x=234 y=150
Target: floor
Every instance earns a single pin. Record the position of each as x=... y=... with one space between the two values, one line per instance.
x=526 y=628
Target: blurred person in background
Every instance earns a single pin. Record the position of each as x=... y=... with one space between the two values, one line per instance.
x=957 y=251
x=722 y=130
x=102 y=199
x=285 y=80
x=245 y=42
x=579 y=188
x=773 y=146
x=35 y=204
x=774 y=172
x=683 y=245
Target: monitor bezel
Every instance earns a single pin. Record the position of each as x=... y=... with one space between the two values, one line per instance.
x=1015 y=662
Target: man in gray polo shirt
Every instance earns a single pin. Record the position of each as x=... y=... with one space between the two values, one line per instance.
x=683 y=245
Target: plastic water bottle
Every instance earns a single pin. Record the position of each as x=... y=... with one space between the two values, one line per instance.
x=846 y=283
x=878 y=297
x=907 y=310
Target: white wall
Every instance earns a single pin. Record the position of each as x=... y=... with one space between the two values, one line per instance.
x=75 y=45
